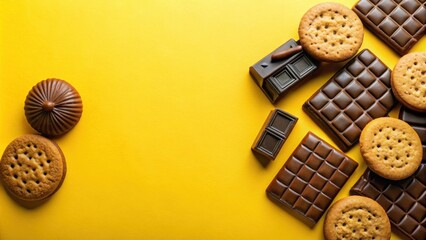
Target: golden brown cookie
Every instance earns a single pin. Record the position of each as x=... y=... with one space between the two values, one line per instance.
x=331 y=32
x=409 y=81
x=32 y=168
x=356 y=217
x=391 y=148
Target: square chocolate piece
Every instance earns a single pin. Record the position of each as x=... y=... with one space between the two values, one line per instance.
x=418 y=121
x=273 y=134
x=404 y=201
x=310 y=179
x=355 y=95
x=400 y=24
x=276 y=78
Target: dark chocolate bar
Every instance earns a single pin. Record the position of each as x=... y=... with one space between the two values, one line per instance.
x=310 y=179
x=276 y=78
x=355 y=95
x=404 y=201
x=398 y=23
x=418 y=121
x=273 y=134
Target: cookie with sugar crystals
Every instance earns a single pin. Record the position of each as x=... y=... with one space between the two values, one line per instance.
x=391 y=148
x=331 y=32
x=356 y=217
x=409 y=81
x=32 y=168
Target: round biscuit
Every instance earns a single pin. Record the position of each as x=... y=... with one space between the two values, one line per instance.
x=331 y=32
x=391 y=148
x=32 y=168
x=356 y=217
x=409 y=81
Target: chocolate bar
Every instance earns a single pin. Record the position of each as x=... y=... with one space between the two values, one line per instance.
x=310 y=179
x=273 y=134
x=400 y=24
x=418 y=121
x=355 y=95
x=277 y=77
x=404 y=201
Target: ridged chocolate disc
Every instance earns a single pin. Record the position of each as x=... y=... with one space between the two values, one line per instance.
x=53 y=107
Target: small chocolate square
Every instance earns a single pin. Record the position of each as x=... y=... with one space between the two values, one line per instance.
x=318 y=181
x=273 y=134
x=310 y=192
x=278 y=189
x=281 y=121
x=326 y=170
x=269 y=143
x=322 y=201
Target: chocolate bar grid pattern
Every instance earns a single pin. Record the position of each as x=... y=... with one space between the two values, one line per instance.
x=400 y=24
x=357 y=94
x=404 y=201
x=311 y=178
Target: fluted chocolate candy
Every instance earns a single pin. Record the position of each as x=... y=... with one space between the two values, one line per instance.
x=53 y=107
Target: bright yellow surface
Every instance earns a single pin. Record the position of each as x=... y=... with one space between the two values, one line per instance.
x=162 y=150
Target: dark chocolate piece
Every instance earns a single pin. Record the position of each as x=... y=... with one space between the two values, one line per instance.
x=273 y=134
x=355 y=95
x=53 y=107
x=310 y=179
x=418 y=121
x=404 y=201
x=276 y=78
x=400 y=24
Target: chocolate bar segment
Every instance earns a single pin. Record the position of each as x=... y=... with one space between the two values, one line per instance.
x=310 y=179
x=404 y=201
x=400 y=24
x=355 y=95
x=276 y=78
x=273 y=134
x=418 y=121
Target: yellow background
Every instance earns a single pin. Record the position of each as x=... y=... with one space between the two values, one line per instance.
x=162 y=150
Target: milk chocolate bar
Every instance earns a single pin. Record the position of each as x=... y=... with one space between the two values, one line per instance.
x=273 y=134
x=418 y=121
x=355 y=95
x=278 y=77
x=310 y=179
x=404 y=201
x=400 y=24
